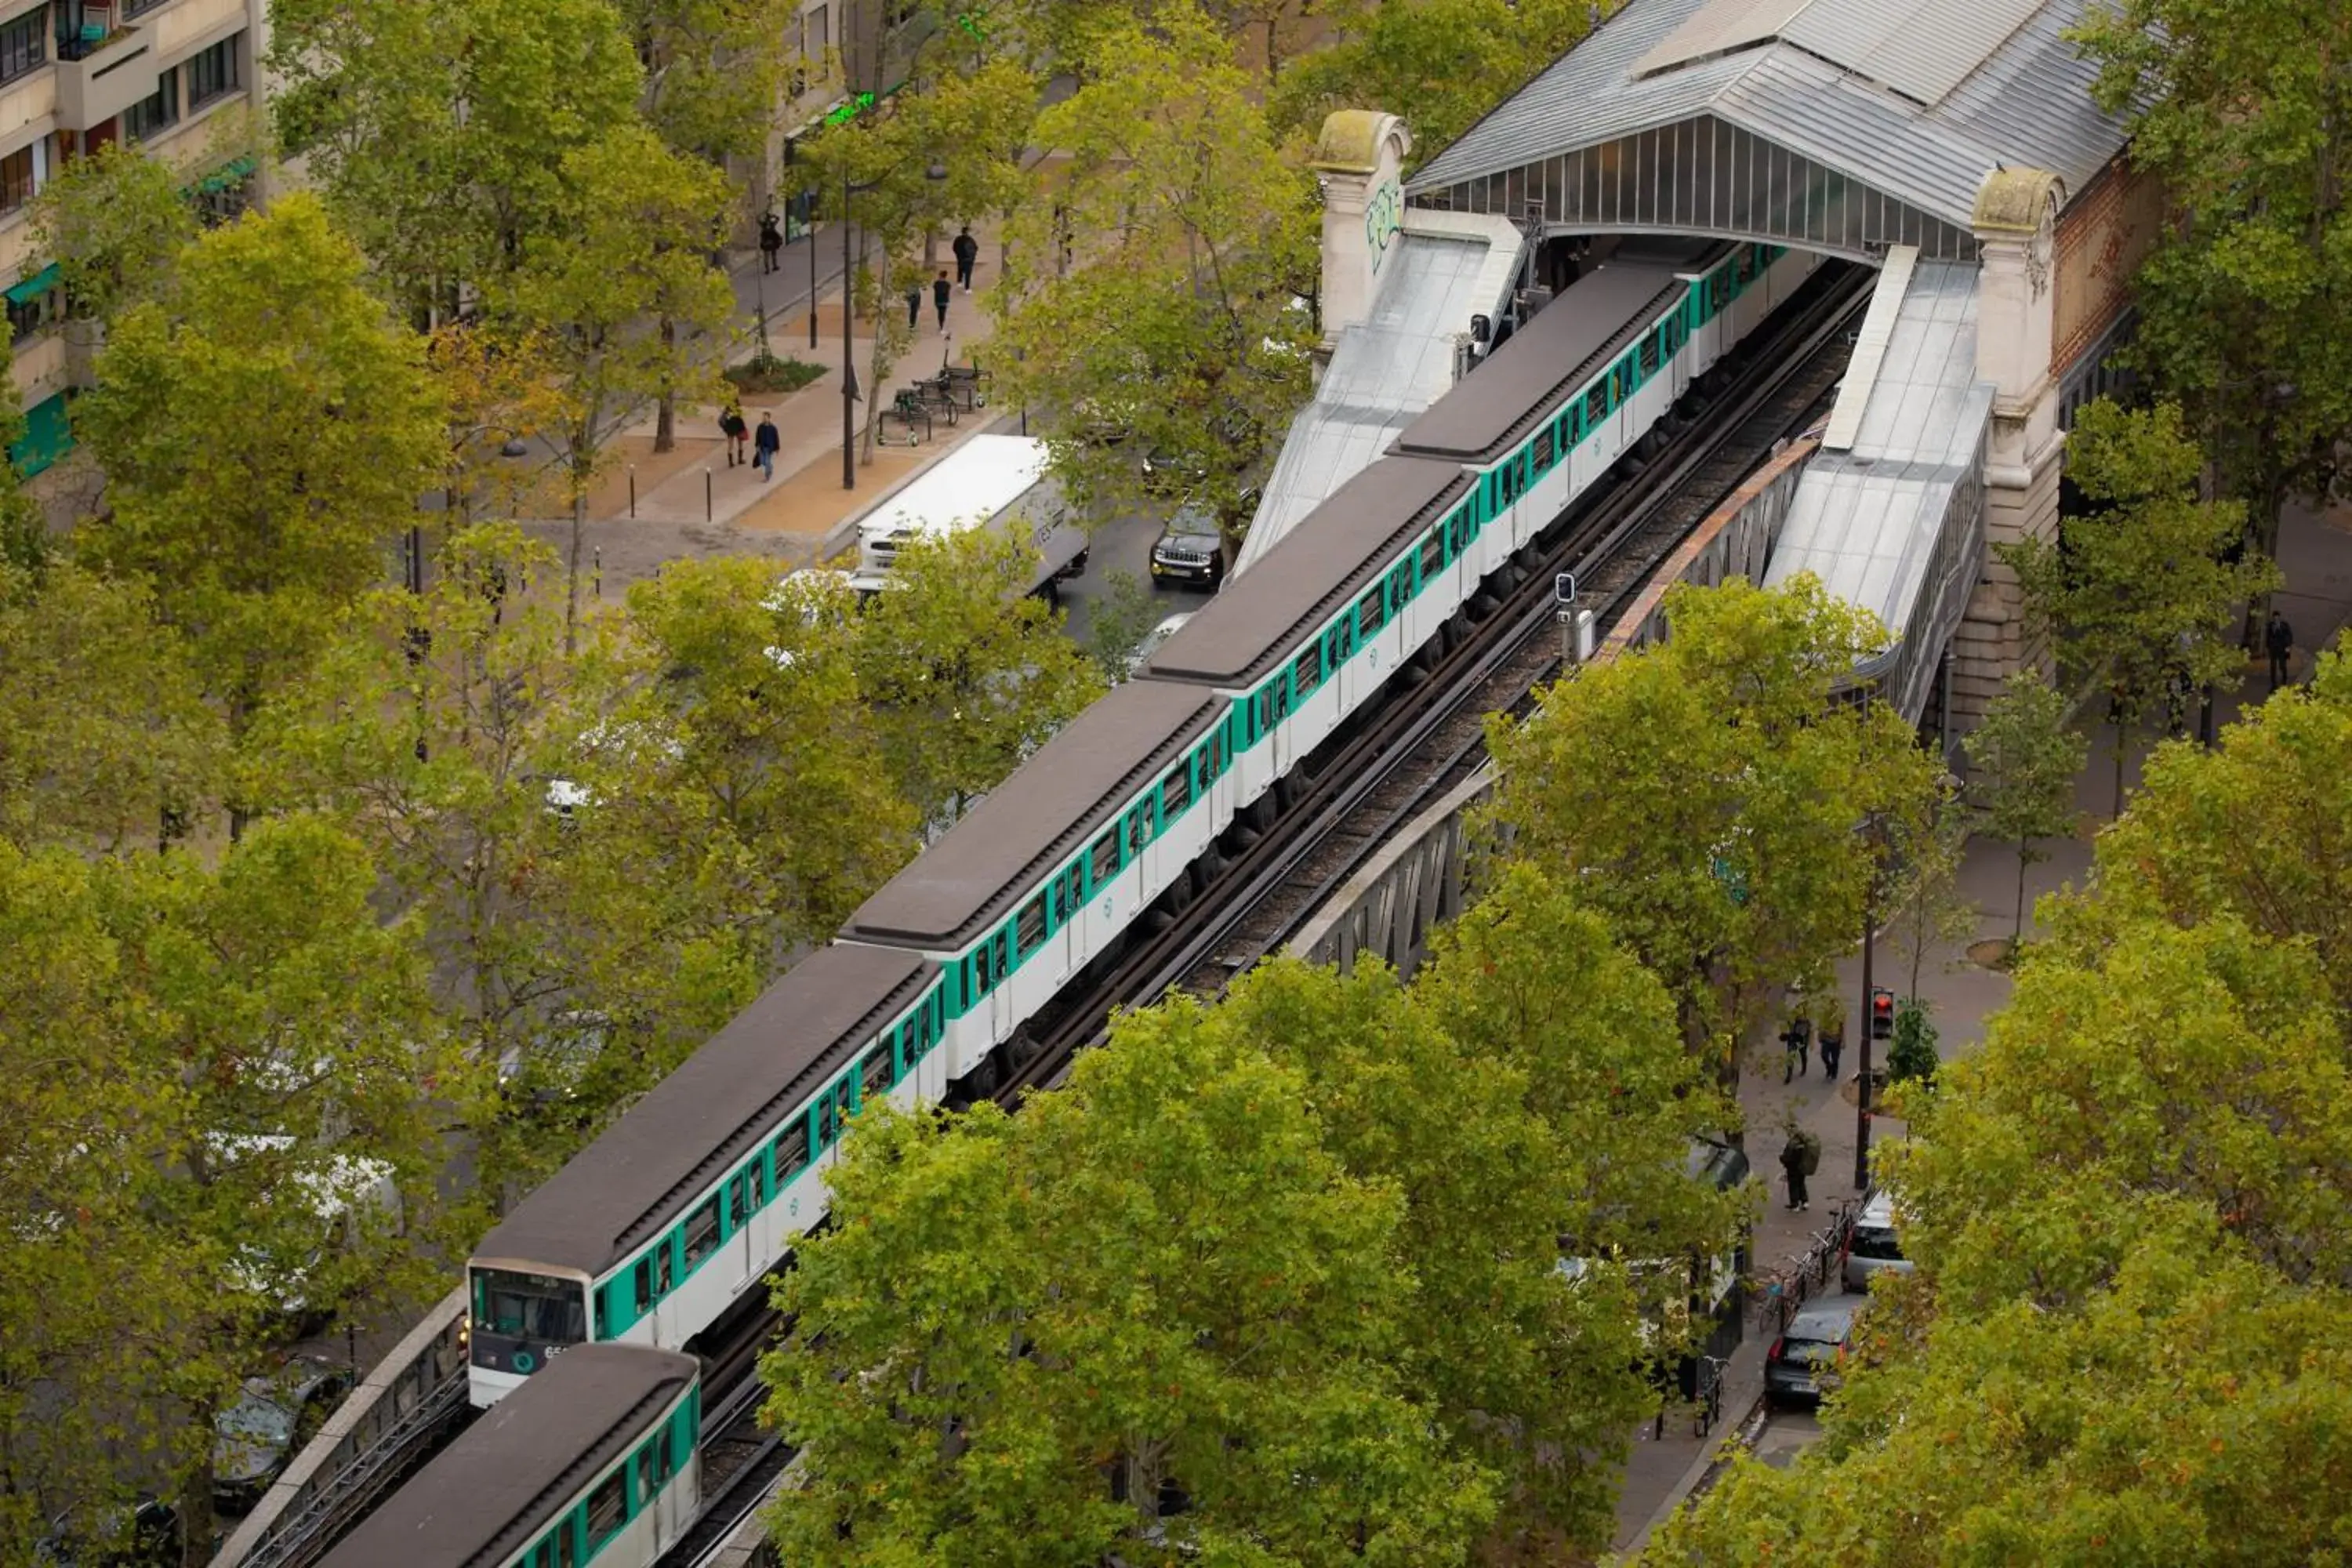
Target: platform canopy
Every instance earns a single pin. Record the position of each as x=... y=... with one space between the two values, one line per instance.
x=1843 y=126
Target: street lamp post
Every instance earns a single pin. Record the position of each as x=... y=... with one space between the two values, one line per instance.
x=934 y=171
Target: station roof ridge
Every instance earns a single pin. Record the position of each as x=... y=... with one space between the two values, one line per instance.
x=1917 y=98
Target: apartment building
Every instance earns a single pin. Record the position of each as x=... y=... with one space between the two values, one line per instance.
x=76 y=75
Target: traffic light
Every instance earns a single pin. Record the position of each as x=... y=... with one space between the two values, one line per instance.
x=1882 y=1013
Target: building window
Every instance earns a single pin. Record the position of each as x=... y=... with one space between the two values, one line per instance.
x=24 y=43
x=213 y=74
x=134 y=9
x=15 y=179
x=29 y=316
x=157 y=113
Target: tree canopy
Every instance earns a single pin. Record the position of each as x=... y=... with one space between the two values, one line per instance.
x=2242 y=109
x=1709 y=800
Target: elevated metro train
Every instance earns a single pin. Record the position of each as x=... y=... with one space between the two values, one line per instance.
x=671 y=1220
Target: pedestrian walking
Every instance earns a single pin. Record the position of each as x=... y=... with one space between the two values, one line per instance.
x=771 y=240
x=766 y=443
x=940 y=294
x=1798 y=1156
x=2279 y=639
x=731 y=426
x=1832 y=1040
x=914 y=305
x=1795 y=1037
x=967 y=256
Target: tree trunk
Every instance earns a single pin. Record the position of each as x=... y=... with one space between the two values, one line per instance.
x=2017 y=933
x=572 y=566
x=2122 y=735
x=666 y=415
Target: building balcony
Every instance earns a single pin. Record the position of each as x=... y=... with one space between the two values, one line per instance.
x=108 y=76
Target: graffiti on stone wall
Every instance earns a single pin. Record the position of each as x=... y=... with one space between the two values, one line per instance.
x=2101 y=240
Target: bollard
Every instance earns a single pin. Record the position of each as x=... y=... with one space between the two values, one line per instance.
x=705 y=492
x=633 y=493
x=596 y=571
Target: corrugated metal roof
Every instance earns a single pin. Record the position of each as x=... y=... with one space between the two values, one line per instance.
x=1384 y=370
x=1718 y=27
x=1865 y=521
x=1922 y=111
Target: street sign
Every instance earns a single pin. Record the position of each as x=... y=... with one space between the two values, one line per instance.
x=1563 y=589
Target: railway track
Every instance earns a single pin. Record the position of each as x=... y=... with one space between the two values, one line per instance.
x=1369 y=781
x=1430 y=731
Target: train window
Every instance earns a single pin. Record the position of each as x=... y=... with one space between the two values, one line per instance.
x=1370 y=613
x=1002 y=947
x=792 y=1151
x=1176 y=791
x=702 y=1233
x=1433 y=553
x=1650 y=355
x=646 y=1484
x=842 y=1102
x=1542 y=455
x=875 y=1076
x=608 y=1509
x=1032 y=924
x=1135 y=831
x=1309 y=670
x=1596 y=404
x=737 y=1209
x=1103 y=864
x=645 y=1297
x=756 y=1175
x=1460 y=530
x=827 y=1130
x=567 y=1552
x=545 y=1556
x=982 y=976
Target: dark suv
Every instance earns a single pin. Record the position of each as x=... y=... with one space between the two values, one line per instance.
x=1190 y=550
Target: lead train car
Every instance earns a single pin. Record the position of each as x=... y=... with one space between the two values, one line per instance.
x=655 y=1231
x=593 y=1462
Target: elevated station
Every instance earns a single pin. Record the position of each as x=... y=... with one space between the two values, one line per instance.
x=1950 y=143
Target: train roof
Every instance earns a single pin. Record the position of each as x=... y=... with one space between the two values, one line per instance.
x=1261 y=616
x=485 y=1497
x=1066 y=792
x=1491 y=409
x=711 y=1114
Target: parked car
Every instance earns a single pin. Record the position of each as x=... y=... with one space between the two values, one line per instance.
x=1152 y=640
x=1803 y=1362
x=1874 y=1244
x=275 y=1414
x=142 y=1535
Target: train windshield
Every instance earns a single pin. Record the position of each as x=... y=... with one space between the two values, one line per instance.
x=542 y=1307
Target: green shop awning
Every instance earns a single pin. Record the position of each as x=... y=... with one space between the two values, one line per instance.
x=225 y=176
x=48 y=435
x=32 y=287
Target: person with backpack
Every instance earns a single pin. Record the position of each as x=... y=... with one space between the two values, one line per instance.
x=1832 y=1037
x=1796 y=1036
x=731 y=426
x=967 y=256
x=1800 y=1156
x=772 y=241
x=765 y=444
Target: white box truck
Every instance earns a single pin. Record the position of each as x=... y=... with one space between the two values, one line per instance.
x=989 y=482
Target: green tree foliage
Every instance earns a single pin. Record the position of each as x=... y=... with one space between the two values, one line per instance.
x=1706 y=796
x=1118 y=622
x=714 y=71
x=1924 y=906
x=243 y=1037
x=438 y=130
x=1568 y=1110
x=1440 y=64
x=619 y=292
x=102 y=729
x=2254 y=829
x=2130 y=1213
x=966 y=676
x=1158 y=1277
x=2026 y=761
x=2138 y=593
x=2242 y=109
x=1171 y=329
x=24 y=541
x=265 y=429
x=116 y=222
x=1912 y=1055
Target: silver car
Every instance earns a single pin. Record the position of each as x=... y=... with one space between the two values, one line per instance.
x=1874 y=1245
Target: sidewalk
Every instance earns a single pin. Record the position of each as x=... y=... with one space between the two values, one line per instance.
x=651 y=508
x=2316 y=553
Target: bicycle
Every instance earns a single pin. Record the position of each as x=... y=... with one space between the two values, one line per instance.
x=1708 y=1408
